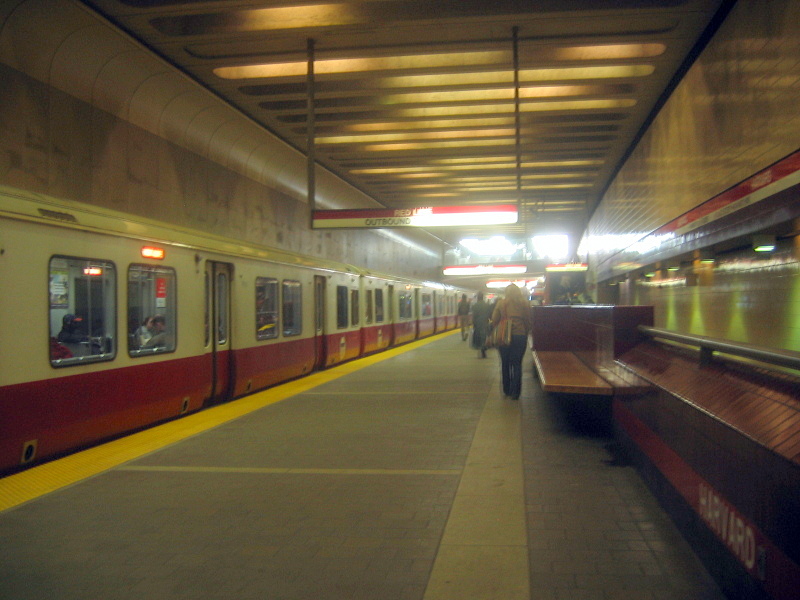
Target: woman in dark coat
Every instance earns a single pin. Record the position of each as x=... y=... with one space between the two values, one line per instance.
x=481 y=313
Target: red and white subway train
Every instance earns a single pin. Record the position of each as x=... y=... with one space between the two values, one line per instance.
x=112 y=323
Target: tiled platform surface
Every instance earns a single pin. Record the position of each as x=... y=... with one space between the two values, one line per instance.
x=403 y=480
x=594 y=529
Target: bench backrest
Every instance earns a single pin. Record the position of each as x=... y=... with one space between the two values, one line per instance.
x=598 y=334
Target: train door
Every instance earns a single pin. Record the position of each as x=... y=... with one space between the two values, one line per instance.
x=319 y=322
x=392 y=315
x=218 y=329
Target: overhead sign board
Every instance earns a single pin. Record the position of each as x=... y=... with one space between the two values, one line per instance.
x=567 y=267
x=432 y=216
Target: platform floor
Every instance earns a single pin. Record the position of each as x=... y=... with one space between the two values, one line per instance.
x=403 y=476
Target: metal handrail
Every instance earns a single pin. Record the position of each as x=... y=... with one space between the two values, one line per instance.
x=780 y=358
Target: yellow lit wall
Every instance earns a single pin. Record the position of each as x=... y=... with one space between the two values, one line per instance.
x=734 y=114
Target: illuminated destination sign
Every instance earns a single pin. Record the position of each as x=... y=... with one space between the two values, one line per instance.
x=432 y=216
x=567 y=267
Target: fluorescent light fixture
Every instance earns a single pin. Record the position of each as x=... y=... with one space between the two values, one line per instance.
x=464 y=60
x=551 y=246
x=364 y=138
x=763 y=243
x=363 y=65
x=485 y=270
x=497 y=285
x=501 y=284
x=707 y=256
x=494 y=246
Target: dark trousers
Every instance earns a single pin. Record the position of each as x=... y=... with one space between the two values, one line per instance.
x=511 y=361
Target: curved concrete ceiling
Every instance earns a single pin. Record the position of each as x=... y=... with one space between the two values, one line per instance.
x=415 y=102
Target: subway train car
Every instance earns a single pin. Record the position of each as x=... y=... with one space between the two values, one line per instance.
x=112 y=324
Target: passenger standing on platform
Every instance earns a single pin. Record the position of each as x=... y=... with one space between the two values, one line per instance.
x=481 y=313
x=516 y=309
x=463 y=316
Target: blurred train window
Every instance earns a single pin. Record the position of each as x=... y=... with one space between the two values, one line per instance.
x=379 y=306
x=83 y=310
x=292 y=307
x=405 y=303
x=354 y=318
x=207 y=310
x=152 y=309
x=341 y=306
x=369 y=308
x=427 y=305
x=266 y=308
x=222 y=308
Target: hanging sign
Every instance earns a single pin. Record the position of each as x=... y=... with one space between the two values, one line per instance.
x=432 y=216
x=566 y=267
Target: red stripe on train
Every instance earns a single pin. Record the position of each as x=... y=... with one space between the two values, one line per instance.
x=78 y=409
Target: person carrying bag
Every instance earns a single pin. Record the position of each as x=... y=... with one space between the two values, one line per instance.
x=500 y=334
x=512 y=323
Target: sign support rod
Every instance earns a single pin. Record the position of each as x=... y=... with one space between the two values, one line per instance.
x=518 y=144
x=310 y=144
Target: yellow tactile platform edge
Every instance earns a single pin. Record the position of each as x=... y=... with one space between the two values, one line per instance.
x=35 y=482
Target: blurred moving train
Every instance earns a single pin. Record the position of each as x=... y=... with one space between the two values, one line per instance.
x=82 y=360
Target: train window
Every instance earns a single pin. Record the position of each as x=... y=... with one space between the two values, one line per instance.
x=354 y=318
x=292 y=308
x=341 y=306
x=319 y=304
x=405 y=304
x=427 y=305
x=379 y=306
x=266 y=308
x=83 y=310
x=207 y=311
x=152 y=309
x=369 y=308
x=222 y=308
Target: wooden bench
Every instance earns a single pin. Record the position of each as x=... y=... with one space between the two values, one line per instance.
x=564 y=373
x=575 y=348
